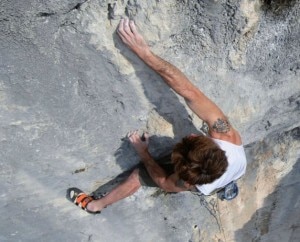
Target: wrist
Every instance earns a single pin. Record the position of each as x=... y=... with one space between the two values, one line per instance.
x=145 y=155
x=145 y=54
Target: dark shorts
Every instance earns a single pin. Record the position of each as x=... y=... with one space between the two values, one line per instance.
x=164 y=162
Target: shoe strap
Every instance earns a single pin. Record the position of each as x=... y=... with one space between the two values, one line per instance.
x=83 y=200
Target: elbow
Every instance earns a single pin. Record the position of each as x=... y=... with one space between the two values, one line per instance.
x=166 y=186
x=163 y=184
x=192 y=95
x=166 y=189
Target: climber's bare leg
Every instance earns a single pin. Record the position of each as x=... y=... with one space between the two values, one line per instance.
x=125 y=189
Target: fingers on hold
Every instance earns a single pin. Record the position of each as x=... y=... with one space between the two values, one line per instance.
x=123 y=29
x=127 y=31
x=126 y=21
x=126 y=27
x=120 y=27
x=133 y=27
x=132 y=133
x=122 y=37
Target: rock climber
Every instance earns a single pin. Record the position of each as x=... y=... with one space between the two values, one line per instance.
x=200 y=163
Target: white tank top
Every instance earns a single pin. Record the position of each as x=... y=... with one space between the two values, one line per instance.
x=236 y=166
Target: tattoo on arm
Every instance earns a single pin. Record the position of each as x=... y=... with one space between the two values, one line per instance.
x=221 y=126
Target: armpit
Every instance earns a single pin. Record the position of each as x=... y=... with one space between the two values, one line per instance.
x=221 y=126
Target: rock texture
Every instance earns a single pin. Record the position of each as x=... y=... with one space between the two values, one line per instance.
x=70 y=91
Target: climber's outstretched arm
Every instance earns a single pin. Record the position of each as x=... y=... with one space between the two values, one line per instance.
x=202 y=106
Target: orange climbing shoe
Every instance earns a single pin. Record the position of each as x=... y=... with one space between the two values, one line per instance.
x=80 y=199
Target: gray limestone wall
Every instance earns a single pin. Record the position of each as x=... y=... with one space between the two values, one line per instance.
x=70 y=91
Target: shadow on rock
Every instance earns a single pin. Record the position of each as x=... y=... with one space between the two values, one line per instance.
x=277 y=7
x=165 y=101
x=159 y=147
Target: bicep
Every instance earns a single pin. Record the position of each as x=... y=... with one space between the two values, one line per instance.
x=204 y=108
x=208 y=111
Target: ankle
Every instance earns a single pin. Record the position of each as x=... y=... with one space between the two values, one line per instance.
x=94 y=206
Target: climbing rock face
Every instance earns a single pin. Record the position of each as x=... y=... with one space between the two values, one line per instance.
x=70 y=91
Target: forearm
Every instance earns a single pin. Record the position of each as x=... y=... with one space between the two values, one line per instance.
x=170 y=73
x=155 y=171
x=195 y=99
x=168 y=184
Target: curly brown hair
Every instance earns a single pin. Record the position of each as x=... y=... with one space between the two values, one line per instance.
x=199 y=160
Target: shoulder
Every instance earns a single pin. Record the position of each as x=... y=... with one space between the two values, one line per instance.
x=231 y=136
x=220 y=128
